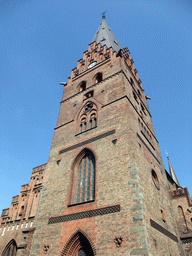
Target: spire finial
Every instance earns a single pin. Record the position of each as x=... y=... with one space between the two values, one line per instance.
x=167 y=154
x=104 y=36
x=171 y=171
x=103 y=15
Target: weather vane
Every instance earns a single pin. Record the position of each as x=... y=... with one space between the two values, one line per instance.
x=167 y=153
x=103 y=15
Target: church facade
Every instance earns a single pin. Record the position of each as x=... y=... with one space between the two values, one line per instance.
x=104 y=190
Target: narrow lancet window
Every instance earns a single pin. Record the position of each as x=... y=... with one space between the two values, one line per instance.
x=91 y=123
x=84 y=187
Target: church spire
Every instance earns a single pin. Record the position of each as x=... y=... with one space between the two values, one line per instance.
x=172 y=173
x=105 y=36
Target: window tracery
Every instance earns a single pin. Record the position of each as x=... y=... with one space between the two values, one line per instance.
x=88 y=117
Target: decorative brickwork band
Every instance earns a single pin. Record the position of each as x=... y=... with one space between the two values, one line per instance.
x=98 y=137
x=86 y=214
x=186 y=239
x=163 y=230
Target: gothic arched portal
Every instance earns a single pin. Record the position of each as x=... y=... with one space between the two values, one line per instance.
x=78 y=245
x=10 y=249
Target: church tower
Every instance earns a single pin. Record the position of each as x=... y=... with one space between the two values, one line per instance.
x=105 y=188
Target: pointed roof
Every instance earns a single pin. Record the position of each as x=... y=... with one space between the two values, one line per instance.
x=104 y=35
x=172 y=173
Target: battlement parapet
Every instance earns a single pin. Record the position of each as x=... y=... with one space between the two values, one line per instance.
x=39 y=168
x=5 y=212
x=125 y=53
x=181 y=192
x=15 y=199
x=24 y=187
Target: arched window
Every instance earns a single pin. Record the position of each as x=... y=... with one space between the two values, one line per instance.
x=97 y=78
x=143 y=109
x=82 y=86
x=101 y=56
x=93 y=120
x=135 y=96
x=83 y=184
x=139 y=93
x=132 y=83
x=163 y=215
x=83 y=124
x=155 y=179
x=10 y=249
x=181 y=220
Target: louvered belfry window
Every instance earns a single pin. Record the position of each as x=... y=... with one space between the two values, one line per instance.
x=85 y=179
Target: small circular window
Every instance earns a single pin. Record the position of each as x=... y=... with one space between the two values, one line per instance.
x=155 y=179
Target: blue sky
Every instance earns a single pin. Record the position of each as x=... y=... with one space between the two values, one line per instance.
x=41 y=42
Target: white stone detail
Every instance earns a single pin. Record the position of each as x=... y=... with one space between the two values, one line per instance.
x=3 y=231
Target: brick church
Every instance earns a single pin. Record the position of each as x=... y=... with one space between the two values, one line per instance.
x=104 y=190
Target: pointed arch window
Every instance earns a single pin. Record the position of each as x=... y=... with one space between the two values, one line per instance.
x=83 y=185
x=10 y=249
x=182 y=221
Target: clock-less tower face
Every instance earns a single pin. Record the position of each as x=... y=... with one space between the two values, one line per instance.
x=92 y=64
